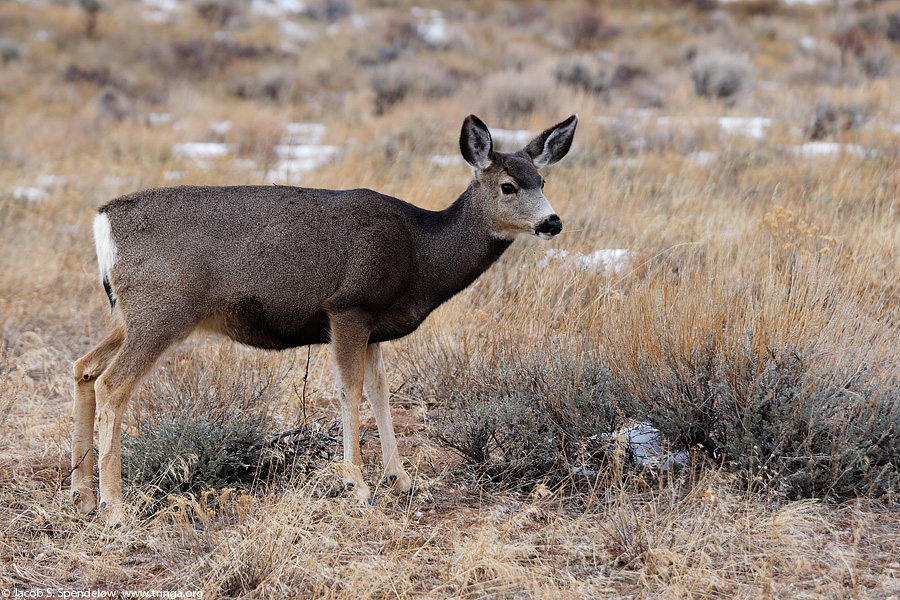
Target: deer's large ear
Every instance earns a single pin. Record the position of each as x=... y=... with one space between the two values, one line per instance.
x=549 y=147
x=476 y=144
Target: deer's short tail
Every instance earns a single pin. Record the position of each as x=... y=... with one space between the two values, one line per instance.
x=107 y=253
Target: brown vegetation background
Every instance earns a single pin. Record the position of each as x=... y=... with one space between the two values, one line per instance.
x=750 y=243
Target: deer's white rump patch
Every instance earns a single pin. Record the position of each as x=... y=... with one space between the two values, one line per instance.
x=106 y=246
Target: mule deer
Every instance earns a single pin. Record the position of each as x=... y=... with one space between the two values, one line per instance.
x=279 y=267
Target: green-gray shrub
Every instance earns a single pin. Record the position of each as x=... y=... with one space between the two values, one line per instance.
x=395 y=81
x=722 y=76
x=766 y=416
x=10 y=51
x=582 y=73
x=763 y=413
x=203 y=424
x=529 y=417
x=189 y=454
x=183 y=454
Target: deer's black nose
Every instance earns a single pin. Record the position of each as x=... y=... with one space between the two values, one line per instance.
x=549 y=227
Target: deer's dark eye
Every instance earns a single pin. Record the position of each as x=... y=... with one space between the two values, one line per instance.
x=508 y=188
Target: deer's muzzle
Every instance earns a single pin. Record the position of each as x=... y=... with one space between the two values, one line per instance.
x=549 y=227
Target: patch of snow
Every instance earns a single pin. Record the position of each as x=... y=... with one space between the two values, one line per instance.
x=553 y=254
x=313 y=152
x=644 y=444
x=358 y=21
x=703 y=158
x=159 y=16
x=296 y=160
x=278 y=8
x=163 y=11
x=754 y=127
x=300 y=152
x=807 y=2
x=643 y=114
x=666 y=122
x=287 y=171
x=599 y=260
x=512 y=137
x=603 y=260
x=815 y=2
x=446 y=160
x=421 y=13
x=174 y=175
x=808 y=43
x=680 y=123
x=220 y=127
x=40 y=191
x=434 y=31
x=295 y=32
x=626 y=161
x=46 y=180
x=200 y=150
x=30 y=193
x=304 y=133
x=116 y=182
x=828 y=149
x=155 y=119
x=169 y=6
x=432 y=27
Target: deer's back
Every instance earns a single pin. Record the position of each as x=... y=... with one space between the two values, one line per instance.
x=264 y=263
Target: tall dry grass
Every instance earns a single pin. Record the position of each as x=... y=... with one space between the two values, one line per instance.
x=740 y=258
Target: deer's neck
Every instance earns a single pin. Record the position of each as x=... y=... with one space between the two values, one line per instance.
x=458 y=248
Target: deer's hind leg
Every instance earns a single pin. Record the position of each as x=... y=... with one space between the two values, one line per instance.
x=87 y=369
x=377 y=391
x=140 y=350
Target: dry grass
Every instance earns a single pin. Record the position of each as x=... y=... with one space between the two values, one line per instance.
x=803 y=251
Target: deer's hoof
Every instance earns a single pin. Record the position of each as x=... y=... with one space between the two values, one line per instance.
x=353 y=481
x=400 y=482
x=84 y=501
x=113 y=515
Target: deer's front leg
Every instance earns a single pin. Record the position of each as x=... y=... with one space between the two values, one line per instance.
x=376 y=386
x=349 y=338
